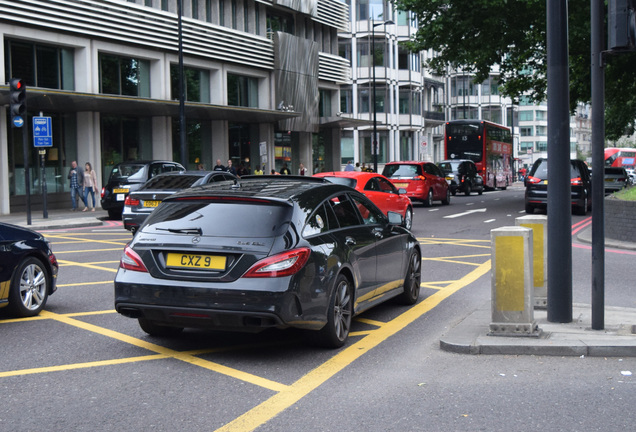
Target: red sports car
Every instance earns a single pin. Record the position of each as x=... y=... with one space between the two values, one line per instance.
x=378 y=189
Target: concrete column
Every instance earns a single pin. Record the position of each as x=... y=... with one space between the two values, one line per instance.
x=539 y=226
x=511 y=280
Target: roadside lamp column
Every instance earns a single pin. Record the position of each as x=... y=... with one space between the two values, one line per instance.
x=374 y=139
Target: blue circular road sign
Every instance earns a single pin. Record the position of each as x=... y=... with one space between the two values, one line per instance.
x=18 y=121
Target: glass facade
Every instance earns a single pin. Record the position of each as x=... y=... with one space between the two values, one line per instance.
x=242 y=91
x=124 y=76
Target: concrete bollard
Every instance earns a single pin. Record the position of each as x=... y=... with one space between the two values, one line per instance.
x=539 y=226
x=512 y=301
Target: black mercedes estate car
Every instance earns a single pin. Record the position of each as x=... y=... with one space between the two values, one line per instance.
x=266 y=252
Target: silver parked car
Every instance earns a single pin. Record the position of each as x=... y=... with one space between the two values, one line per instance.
x=615 y=179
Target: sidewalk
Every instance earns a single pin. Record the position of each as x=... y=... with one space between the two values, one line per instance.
x=470 y=336
x=57 y=219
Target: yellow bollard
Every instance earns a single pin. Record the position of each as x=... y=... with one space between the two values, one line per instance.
x=539 y=226
x=512 y=302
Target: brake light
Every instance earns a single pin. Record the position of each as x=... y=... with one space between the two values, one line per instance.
x=576 y=181
x=131 y=201
x=419 y=177
x=103 y=192
x=280 y=265
x=533 y=180
x=53 y=259
x=130 y=260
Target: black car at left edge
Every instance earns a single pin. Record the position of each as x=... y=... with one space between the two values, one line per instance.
x=267 y=252
x=28 y=270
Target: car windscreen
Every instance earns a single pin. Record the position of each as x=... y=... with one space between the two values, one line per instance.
x=448 y=167
x=124 y=171
x=343 y=181
x=170 y=182
x=615 y=171
x=399 y=170
x=219 y=218
x=541 y=170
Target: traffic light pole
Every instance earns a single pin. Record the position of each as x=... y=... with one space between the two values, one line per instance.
x=27 y=176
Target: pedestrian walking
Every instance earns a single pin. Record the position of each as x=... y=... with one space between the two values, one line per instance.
x=301 y=169
x=230 y=168
x=76 y=177
x=284 y=170
x=219 y=166
x=90 y=185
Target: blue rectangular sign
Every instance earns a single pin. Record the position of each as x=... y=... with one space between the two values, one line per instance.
x=42 y=132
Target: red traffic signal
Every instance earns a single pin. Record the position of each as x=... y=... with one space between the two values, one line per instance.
x=17 y=94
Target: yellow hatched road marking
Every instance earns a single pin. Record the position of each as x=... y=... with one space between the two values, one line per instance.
x=84 y=240
x=273 y=406
x=94 y=267
x=121 y=249
x=84 y=283
x=167 y=352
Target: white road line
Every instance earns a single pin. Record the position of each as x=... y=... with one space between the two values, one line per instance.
x=483 y=210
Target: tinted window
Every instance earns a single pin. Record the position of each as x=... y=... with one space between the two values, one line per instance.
x=344 y=210
x=448 y=167
x=125 y=170
x=385 y=185
x=399 y=170
x=171 y=182
x=540 y=169
x=370 y=215
x=319 y=222
x=343 y=181
x=222 y=219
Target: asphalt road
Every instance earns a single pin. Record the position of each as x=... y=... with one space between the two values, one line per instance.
x=82 y=367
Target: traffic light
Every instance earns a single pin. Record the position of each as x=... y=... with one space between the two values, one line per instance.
x=17 y=90
x=622 y=25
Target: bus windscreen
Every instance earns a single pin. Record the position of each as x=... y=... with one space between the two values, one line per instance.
x=465 y=141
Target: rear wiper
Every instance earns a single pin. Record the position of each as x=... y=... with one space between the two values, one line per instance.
x=197 y=231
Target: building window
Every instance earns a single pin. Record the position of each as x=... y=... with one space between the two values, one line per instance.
x=165 y=6
x=381 y=99
x=526 y=131
x=346 y=100
x=222 y=12
x=324 y=106
x=542 y=146
x=402 y=18
x=197 y=84
x=280 y=22
x=526 y=146
x=404 y=101
x=124 y=75
x=541 y=115
x=208 y=10
x=242 y=91
x=234 y=15
x=257 y=18
x=371 y=10
x=246 y=17
x=40 y=65
x=403 y=59
x=363 y=101
x=542 y=130
x=195 y=9
x=526 y=116
x=344 y=50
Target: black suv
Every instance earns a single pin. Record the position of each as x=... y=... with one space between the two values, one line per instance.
x=462 y=176
x=537 y=186
x=126 y=177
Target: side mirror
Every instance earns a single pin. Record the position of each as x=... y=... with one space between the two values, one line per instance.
x=401 y=191
x=394 y=218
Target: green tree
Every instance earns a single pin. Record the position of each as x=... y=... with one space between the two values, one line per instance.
x=479 y=34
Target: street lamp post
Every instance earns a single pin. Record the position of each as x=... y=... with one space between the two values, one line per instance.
x=374 y=139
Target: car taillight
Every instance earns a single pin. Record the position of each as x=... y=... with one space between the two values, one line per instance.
x=280 y=265
x=103 y=192
x=130 y=260
x=576 y=181
x=53 y=260
x=131 y=201
x=419 y=177
x=533 y=180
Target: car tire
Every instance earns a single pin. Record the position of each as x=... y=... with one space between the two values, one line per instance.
x=408 y=219
x=339 y=315
x=412 y=281
x=448 y=198
x=581 y=210
x=467 y=191
x=529 y=209
x=114 y=214
x=154 y=329
x=481 y=191
x=454 y=192
x=29 y=288
x=429 y=199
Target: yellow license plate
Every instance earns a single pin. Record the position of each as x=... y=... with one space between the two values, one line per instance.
x=151 y=203
x=545 y=182
x=120 y=190
x=206 y=262
x=401 y=185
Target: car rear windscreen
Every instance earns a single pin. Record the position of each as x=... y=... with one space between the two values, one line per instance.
x=222 y=219
x=398 y=170
x=170 y=182
x=122 y=172
x=343 y=181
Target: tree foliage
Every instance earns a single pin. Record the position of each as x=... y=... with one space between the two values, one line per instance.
x=477 y=35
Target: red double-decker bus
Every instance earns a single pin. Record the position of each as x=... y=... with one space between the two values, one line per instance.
x=487 y=144
x=620 y=157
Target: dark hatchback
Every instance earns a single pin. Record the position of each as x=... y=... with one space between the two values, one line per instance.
x=139 y=204
x=462 y=176
x=126 y=177
x=268 y=252
x=28 y=270
x=537 y=186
